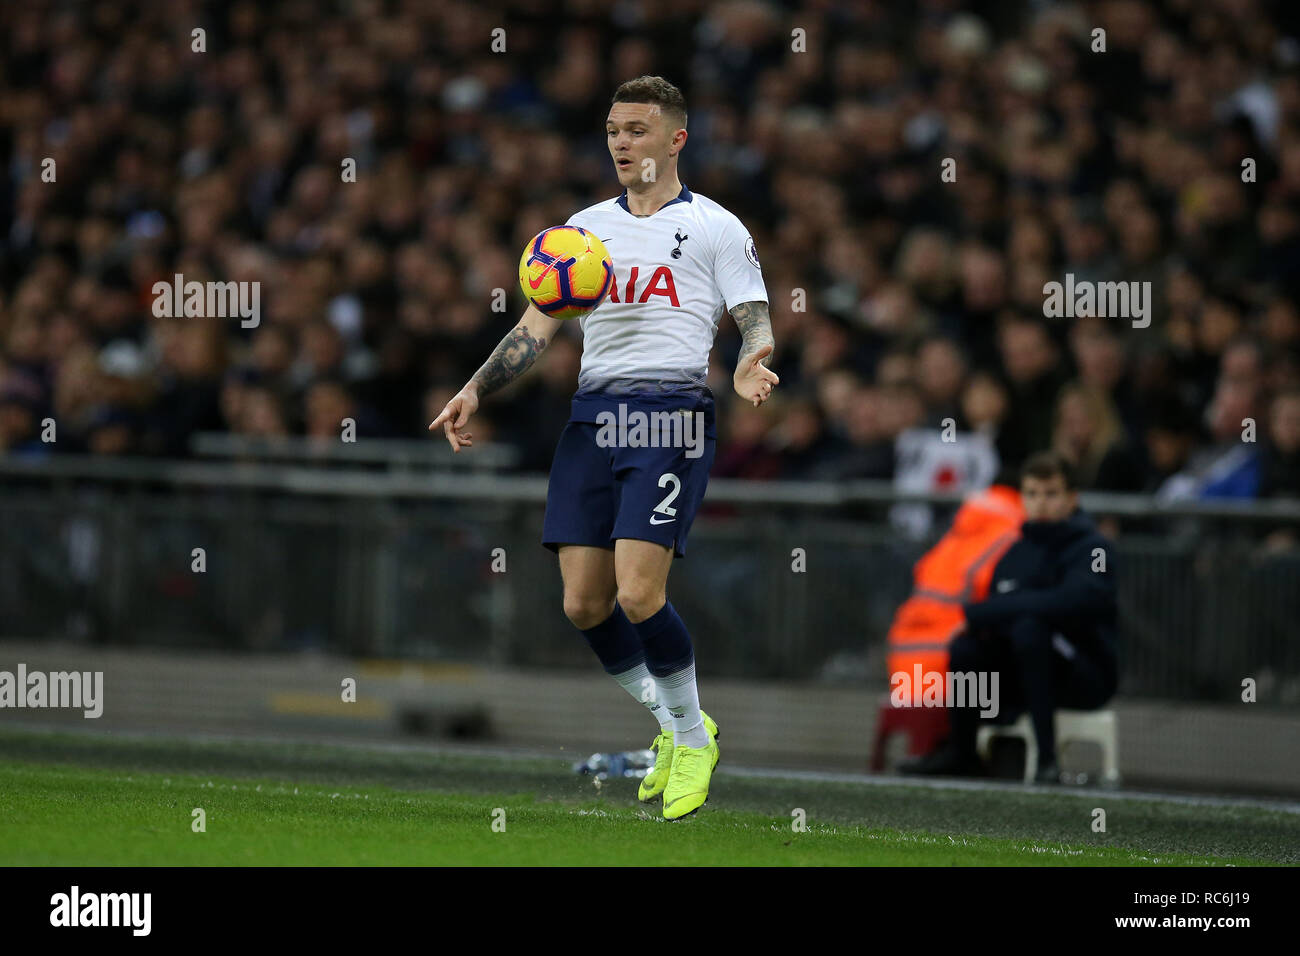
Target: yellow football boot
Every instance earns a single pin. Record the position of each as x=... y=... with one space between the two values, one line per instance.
x=654 y=782
x=688 y=778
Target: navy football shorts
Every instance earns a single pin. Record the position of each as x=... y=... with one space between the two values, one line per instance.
x=599 y=494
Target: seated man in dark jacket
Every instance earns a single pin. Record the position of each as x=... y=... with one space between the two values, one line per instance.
x=1048 y=626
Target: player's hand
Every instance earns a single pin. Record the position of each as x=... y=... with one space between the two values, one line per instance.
x=455 y=416
x=753 y=380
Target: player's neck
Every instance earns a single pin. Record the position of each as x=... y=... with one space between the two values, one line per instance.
x=657 y=194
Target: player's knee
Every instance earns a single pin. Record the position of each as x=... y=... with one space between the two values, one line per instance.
x=1029 y=633
x=640 y=600
x=964 y=653
x=586 y=610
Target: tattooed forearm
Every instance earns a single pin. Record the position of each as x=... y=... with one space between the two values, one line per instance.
x=755 y=327
x=510 y=359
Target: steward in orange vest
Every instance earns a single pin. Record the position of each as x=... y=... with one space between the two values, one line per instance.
x=956 y=571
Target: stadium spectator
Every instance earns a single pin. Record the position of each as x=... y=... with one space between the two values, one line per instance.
x=1279 y=471
x=1103 y=365
x=749 y=454
x=1031 y=364
x=1230 y=467
x=1279 y=464
x=806 y=449
x=263 y=414
x=20 y=405
x=1090 y=437
x=326 y=407
x=1168 y=439
x=870 y=452
x=940 y=373
x=984 y=405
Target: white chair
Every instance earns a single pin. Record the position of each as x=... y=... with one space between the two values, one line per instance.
x=1072 y=726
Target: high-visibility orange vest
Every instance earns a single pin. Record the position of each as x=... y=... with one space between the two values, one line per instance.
x=957 y=570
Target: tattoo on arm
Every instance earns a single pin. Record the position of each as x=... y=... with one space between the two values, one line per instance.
x=755 y=328
x=510 y=359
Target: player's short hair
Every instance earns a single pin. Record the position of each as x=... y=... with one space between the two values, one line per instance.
x=656 y=91
x=1046 y=465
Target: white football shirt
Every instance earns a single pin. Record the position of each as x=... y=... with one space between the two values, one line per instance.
x=676 y=272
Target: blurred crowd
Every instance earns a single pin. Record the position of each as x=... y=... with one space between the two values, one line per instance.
x=899 y=300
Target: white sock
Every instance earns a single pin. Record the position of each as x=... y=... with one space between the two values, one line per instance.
x=682 y=699
x=643 y=687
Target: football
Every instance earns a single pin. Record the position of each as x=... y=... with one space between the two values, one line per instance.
x=565 y=271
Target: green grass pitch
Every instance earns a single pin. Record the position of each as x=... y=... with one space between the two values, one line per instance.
x=77 y=800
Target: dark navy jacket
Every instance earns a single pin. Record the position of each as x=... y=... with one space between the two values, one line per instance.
x=1049 y=573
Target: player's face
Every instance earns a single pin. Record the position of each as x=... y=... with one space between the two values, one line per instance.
x=637 y=132
x=1047 y=499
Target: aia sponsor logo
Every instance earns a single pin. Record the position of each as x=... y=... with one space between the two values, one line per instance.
x=661 y=283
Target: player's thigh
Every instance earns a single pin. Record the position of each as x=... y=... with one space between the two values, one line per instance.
x=589 y=583
x=660 y=492
x=997 y=659
x=581 y=494
x=641 y=570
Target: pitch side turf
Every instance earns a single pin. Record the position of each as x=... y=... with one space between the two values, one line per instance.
x=77 y=800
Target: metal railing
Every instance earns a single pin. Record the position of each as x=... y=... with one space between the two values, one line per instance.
x=291 y=467
x=400 y=563
x=390 y=453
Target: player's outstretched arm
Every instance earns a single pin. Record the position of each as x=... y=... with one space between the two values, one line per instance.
x=513 y=356
x=753 y=380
